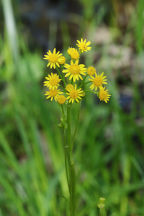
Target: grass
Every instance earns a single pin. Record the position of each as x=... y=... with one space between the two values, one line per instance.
x=108 y=149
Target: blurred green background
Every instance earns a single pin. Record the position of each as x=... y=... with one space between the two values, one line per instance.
x=109 y=147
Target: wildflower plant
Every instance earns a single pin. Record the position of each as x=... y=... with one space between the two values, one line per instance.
x=67 y=85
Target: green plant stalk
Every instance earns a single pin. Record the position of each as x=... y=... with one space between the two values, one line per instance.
x=102 y=212
x=65 y=144
x=69 y=164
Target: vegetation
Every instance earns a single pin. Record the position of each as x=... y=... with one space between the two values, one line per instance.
x=109 y=147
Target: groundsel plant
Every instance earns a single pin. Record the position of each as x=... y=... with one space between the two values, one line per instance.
x=68 y=86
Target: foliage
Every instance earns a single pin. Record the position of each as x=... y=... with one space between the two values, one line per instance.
x=109 y=147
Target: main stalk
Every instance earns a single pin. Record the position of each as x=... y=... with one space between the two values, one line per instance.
x=71 y=169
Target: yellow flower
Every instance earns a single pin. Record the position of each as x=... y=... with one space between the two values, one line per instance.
x=61 y=99
x=98 y=81
x=53 y=58
x=61 y=60
x=83 y=45
x=91 y=71
x=52 y=94
x=74 y=70
x=52 y=81
x=74 y=54
x=104 y=95
x=75 y=94
x=69 y=87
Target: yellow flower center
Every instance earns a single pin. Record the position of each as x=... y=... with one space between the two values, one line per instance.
x=54 y=81
x=83 y=46
x=73 y=94
x=98 y=81
x=53 y=92
x=69 y=87
x=73 y=53
x=53 y=58
x=91 y=71
x=103 y=95
x=61 y=99
x=74 y=69
x=61 y=60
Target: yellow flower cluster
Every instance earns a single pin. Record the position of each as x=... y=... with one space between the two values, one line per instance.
x=73 y=80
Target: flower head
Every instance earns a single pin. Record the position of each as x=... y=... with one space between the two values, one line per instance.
x=75 y=94
x=52 y=94
x=61 y=60
x=97 y=81
x=61 y=99
x=66 y=86
x=104 y=95
x=91 y=71
x=52 y=81
x=83 y=45
x=74 y=54
x=74 y=70
x=53 y=58
x=69 y=87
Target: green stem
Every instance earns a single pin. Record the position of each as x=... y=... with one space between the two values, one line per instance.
x=76 y=125
x=102 y=212
x=65 y=145
x=69 y=164
x=71 y=169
